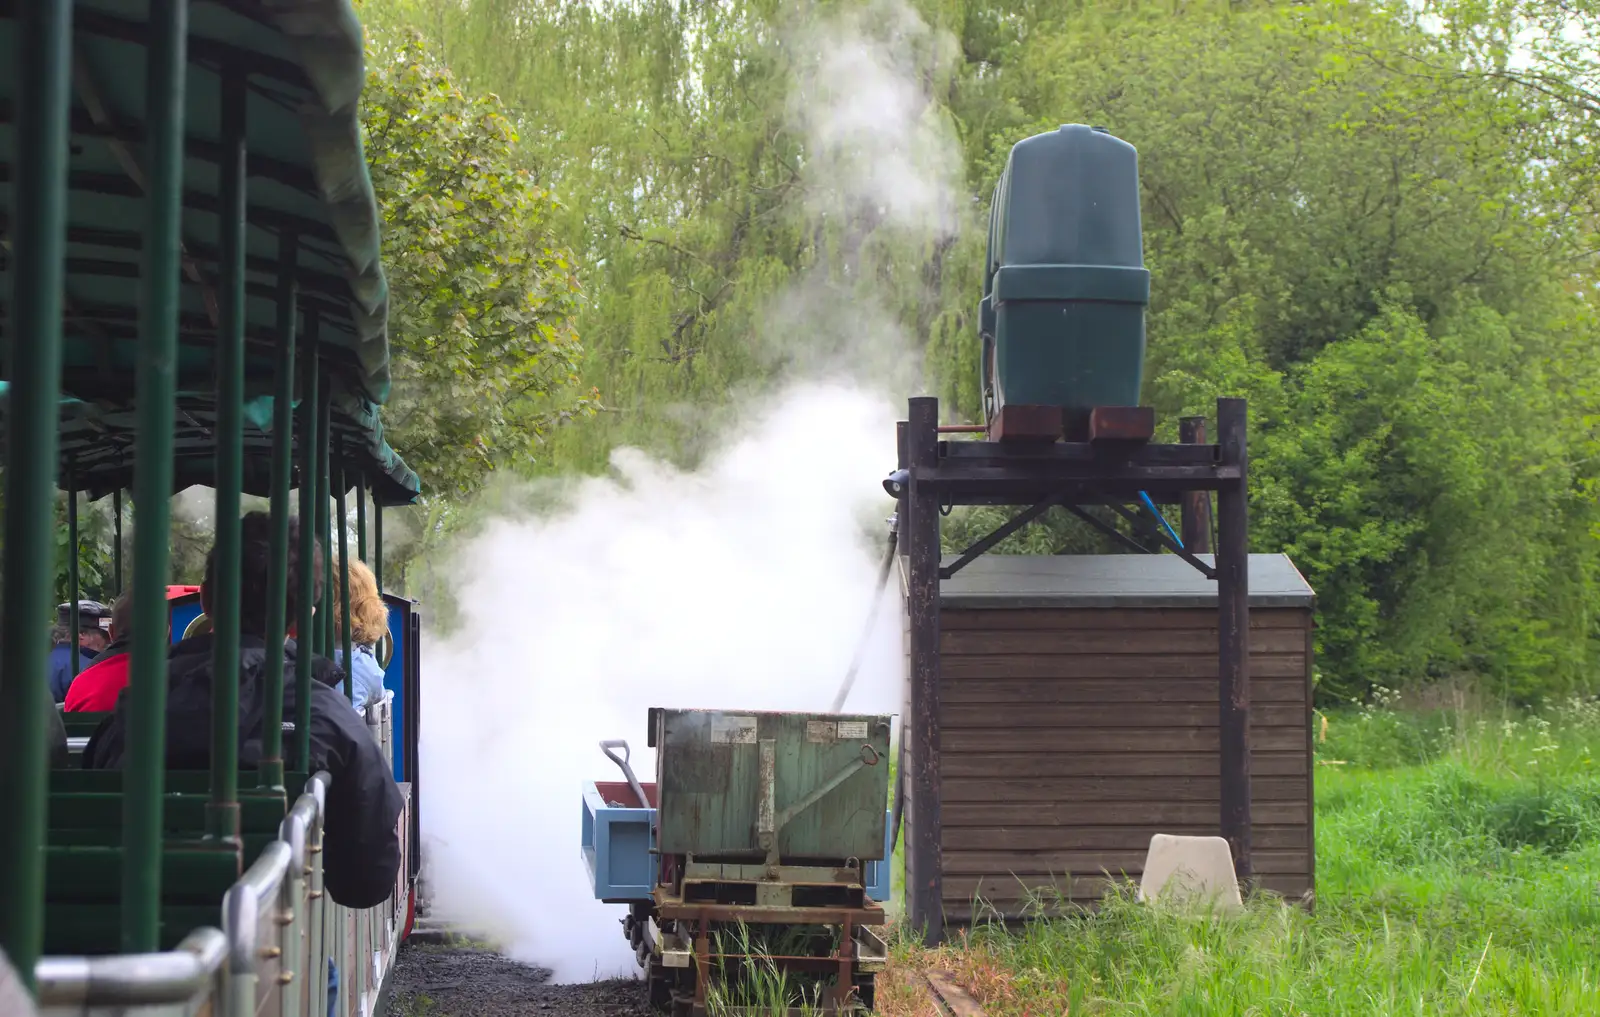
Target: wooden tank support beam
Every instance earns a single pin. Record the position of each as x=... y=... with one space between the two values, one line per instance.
x=1233 y=631
x=924 y=865
x=1194 y=529
x=940 y=474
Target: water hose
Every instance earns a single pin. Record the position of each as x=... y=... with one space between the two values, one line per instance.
x=1145 y=498
x=872 y=618
x=850 y=680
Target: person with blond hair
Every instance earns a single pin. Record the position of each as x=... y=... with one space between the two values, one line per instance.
x=369 y=621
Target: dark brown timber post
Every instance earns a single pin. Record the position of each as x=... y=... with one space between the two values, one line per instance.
x=1233 y=624
x=925 y=901
x=1195 y=510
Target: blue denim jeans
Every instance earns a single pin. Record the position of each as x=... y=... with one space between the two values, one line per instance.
x=333 y=987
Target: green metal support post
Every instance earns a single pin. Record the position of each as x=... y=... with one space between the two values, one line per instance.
x=377 y=543
x=361 y=515
x=271 y=771
x=325 y=485
x=306 y=573
x=152 y=478
x=38 y=233
x=222 y=812
x=116 y=552
x=344 y=590
x=76 y=633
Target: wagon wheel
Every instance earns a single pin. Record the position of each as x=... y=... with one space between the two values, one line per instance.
x=661 y=984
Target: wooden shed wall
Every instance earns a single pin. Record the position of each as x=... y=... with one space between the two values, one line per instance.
x=1070 y=736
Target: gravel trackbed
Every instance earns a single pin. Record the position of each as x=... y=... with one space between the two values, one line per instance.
x=450 y=980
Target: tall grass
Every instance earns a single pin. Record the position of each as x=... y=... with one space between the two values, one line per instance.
x=1458 y=872
x=755 y=984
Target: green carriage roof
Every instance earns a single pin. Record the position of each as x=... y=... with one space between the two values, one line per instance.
x=307 y=176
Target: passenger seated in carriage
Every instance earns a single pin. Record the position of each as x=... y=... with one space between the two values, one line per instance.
x=369 y=621
x=91 y=641
x=96 y=689
x=363 y=804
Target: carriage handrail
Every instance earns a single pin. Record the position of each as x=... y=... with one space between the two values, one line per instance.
x=241 y=908
x=295 y=830
x=135 y=978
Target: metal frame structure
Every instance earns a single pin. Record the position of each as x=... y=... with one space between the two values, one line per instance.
x=678 y=907
x=680 y=934
x=196 y=377
x=1113 y=464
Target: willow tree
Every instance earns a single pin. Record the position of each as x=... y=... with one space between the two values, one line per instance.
x=1379 y=232
x=724 y=240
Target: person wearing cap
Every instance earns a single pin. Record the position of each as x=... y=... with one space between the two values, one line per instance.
x=91 y=640
x=96 y=688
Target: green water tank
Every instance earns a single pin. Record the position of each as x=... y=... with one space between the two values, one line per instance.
x=1065 y=287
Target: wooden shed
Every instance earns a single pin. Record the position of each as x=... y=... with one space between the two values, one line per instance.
x=1078 y=715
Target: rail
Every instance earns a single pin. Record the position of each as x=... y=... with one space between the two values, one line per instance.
x=135 y=979
x=280 y=934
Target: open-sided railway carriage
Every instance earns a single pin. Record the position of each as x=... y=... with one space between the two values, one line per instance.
x=193 y=295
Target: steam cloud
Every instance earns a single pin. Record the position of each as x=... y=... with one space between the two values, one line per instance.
x=874 y=137
x=742 y=586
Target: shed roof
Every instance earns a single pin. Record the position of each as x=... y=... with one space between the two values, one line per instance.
x=1001 y=581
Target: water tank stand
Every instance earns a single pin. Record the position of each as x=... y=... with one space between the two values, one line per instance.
x=1107 y=460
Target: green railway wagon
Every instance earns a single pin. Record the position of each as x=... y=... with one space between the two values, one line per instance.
x=755 y=863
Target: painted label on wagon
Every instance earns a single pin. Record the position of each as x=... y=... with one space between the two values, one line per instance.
x=727 y=730
x=821 y=731
x=852 y=729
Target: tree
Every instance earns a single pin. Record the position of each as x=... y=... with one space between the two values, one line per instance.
x=1382 y=239
x=720 y=247
x=482 y=294
x=1380 y=231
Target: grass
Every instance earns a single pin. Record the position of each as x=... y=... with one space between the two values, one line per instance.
x=1458 y=857
x=759 y=985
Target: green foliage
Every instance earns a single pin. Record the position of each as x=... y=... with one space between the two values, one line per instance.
x=752 y=982
x=1460 y=885
x=482 y=293
x=1382 y=235
x=715 y=253
x=1415 y=481
x=94 y=554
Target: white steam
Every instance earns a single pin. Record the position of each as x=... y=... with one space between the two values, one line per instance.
x=876 y=142
x=741 y=585
x=744 y=585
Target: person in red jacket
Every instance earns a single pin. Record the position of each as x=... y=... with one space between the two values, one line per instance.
x=97 y=686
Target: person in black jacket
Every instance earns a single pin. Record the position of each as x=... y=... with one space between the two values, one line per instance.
x=361 y=858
